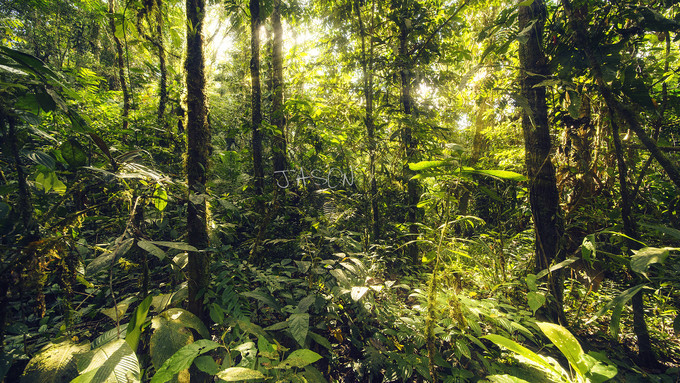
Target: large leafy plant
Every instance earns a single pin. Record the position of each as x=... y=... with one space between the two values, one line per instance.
x=585 y=367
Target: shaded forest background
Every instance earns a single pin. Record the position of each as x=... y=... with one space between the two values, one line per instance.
x=346 y=191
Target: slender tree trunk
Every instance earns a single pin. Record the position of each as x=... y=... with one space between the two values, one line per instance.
x=543 y=194
x=619 y=112
x=367 y=72
x=646 y=357
x=278 y=114
x=198 y=151
x=163 y=82
x=121 y=66
x=408 y=141
x=256 y=96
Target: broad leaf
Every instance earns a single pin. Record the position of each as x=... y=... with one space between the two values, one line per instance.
x=644 y=257
x=506 y=378
x=521 y=350
x=182 y=359
x=298 y=327
x=114 y=362
x=152 y=249
x=134 y=329
x=535 y=300
x=235 y=374
x=299 y=359
x=55 y=363
x=566 y=343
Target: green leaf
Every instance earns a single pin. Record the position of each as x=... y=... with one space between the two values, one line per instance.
x=248 y=352
x=169 y=335
x=597 y=370
x=506 y=378
x=152 y=249
x=134 y=329
x=299 y=326
x=566 y=343
x=588 y=250
x=423 y=165
x=616 y=305
x=234 y=374
x=266 y=349
x=207 y=364
x=521 y=350
x=114 y=362
x=502 y=174
x=535 y=300
x=186 y=319
x=358 y=292
x=263 y=297
x=175 y=245
x=299 y=359
x=117 y=312
x=644 y=257
x=182 y=359
x=73 y=153
x=48 y=181
x=676 y=324
x=304 y=304
x=160 y=198
x=41 y=158
x=55 y=363
x=109 y=336
x=313 y=375
x=320 y=340
x=531 y=282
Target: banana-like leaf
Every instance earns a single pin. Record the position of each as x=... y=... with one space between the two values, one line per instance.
x=55 y=363
x=114 y=362
x=566 y=343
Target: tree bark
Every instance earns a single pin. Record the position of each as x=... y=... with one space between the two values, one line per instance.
x=278 y=113
x=367 y=72
x=198 y=151
x=543 y=194
x=163 y=82
x=619 y=112
x=121 y=66
x=256 y=96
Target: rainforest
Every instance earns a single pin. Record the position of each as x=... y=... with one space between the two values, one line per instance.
x=339 y=191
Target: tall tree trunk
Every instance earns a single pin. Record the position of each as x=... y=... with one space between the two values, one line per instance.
x=256 y=96
x=278 y=114
x=646 y=357
x=198 y=151
x=163 y=82
x=408 y=141
x=367 y=72
x=619 y=112
x=543 y=194
x=121 y=66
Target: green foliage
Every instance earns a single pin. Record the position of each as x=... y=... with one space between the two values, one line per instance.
x=588 y=367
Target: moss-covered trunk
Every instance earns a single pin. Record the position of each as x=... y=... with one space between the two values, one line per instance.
x=198 y=150
x=543 y=194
